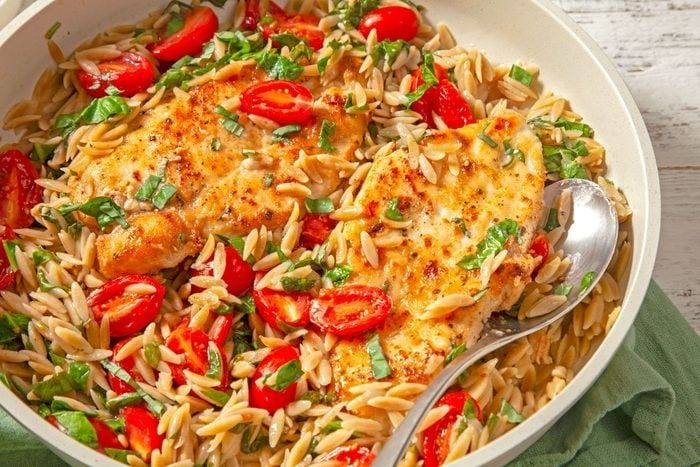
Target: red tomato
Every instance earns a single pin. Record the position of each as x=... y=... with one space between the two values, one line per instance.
x=194 y=344
x=221 y=328
x=18 y=192
x=141 y=428
x=350 y=310
x=200 y=25
x=539 y=249
x=428 y=102
x=117 y=385
x=303 y=26
x=106 y=438
x=444 y=99
x=284 y=102
x=128 y=312
x=131 y=73
x=290 y=308
x=316 y=229
x=264 y=397
x=392 y=23
x=238 y=275
x=7 y=275
x=252 y=13
x=353 y=456
x=436 y=438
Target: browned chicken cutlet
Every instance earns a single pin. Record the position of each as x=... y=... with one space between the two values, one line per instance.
x=216 y=191
x=447 y=221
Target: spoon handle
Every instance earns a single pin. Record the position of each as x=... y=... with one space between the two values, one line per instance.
x=396 y=446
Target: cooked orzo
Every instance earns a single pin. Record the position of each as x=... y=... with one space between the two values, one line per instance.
x=242 y=235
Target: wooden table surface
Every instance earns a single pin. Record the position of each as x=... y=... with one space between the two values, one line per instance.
x=656 y=46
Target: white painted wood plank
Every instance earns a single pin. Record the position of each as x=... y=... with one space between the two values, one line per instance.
x=656 y=45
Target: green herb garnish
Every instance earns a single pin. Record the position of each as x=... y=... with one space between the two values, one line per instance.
x=552 y=220
x=521 y=75
x=392 y=210
x=287 y=374
x=281 y=133
x=586 y=282
x=496 y=238
x=324 y=138
x=297 y=284
x=380 y=366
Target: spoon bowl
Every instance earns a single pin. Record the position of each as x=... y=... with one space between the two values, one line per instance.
x=589 y=242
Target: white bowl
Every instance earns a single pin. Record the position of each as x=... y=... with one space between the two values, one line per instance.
x=572 y=65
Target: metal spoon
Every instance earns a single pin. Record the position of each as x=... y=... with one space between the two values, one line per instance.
x=589 y=242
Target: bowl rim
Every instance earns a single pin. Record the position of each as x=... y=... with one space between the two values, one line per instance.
x=517 y=440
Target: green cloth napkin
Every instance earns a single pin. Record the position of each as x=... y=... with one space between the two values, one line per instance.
x=644 y=409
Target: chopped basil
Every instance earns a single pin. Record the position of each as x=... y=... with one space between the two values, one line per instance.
x=79 y=373
x=496 y=238
x=97 y=111
x=242 y=338
x=462 y=225
x=353 y=12
x=77 y=426
x=388 y=50
x=324 y=138
x=552 y=220
x=236 y=242
x=469 y=409
x=509 y=412
x=392 y=210
x=562 y=289
x=380 y=367
x=229 y=121
x=176 y=23
x=520 y=74
x=102 y=208
x=56 y=359
x=12 y=326
x=317 y=397
x=42 y=152
x=249 y=446
x=286 y=39
x=491 y=422
x=215 y=144
x=248 y=152
x=427 y=70
x=58 y=385
x=52 y=30
x=281 y=133
x=152 y=353
x=586 y=282
x=112 y=90
x=219 y=397
x=215 y=370
x=297 y=284
x=585 y=130
x=319 y=206
x=41 y=256
x=454 y=352
x=277 y=66
x=146 y=191
x=123 y=400
x=154 y=405
x=350 y=106
x=268 y=179
x=513 y=153
x=116 y=424
x=486 y=138
x=120 y=455
x=164 y=194
x=285 y=375
x=4 y=379
x=44 y=284
x=332 y=426
x=563 y=159
x=247 y=304
x=323 y=62
x=339 y=274
x=9 y=247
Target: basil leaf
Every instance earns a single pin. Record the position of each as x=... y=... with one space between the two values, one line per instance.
x=103 y=209
x=392 y=210
x=229 y=121
x=52 y=30
x=277 y=66
x=552 y=220
x=509 y=412
x=469 y=409
x=353 y=12
x=249 y=446
x=146 y=191
x=268 y=179
x=6 y=380
x=286 y=39
x=280 y=134
x=380 y=367
x=44 y=284
x=462 y=225
x=572 y=169
x=215 y=144
x=513 y=152
x=103 y=108
x=324 y=139
x=152 y=354
x=585 y=130
x=77 y=426
x=427 y=70
x=563 y=159
x=586 y=282
x=339 y=274
x=491 y=422
x=154 y=405
x=41 y=256
x=238 y=243
x=215 y=365
x=120 y=455
x=297 y=284
x=219 y=397
x=79 y=373
x=42 y=152
x=486 y=138
x=9 y=247
x=520 y=74
x=287 y=374
x=323 y=62
x=247 y=305
x=496 y=238
x=388 y=50
x=454 y=352
x=176 y=23
x=56 y=386
x=317 y=397
x=56 y=359
x=242 y=338
x=319 y=206
x=332 y=426
x=164 y=194
x=562 y=289
x=12 y=325
x=123 y=400
x=116 y=424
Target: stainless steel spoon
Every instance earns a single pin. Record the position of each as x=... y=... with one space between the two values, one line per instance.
x=589 y=242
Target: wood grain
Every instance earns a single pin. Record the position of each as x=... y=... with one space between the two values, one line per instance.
x=656 y=45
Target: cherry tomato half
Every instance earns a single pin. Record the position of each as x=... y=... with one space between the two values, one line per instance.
x=18 y=192
x=252 y=13
x=264 y=397
x=353 y=456
x=392 y=23
x=131 y=73
x=284 y=102
x=221 y=328
x=141 y=429
x=316 y=229
x=106 y=438
x=539 y=249
x=444 y=99
x=238 y=275
x=303 y=26
x=200 y=25
x=194 y=344
x=290 y=308
x=128 y=312
x=436 y=438
x=7 y=275
x=350 y=310
x=117 y=385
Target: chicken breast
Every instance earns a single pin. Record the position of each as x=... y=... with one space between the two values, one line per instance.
x=442 y=222
x=218 y=190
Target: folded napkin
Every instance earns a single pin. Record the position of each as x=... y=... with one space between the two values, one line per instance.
x=643 y=410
